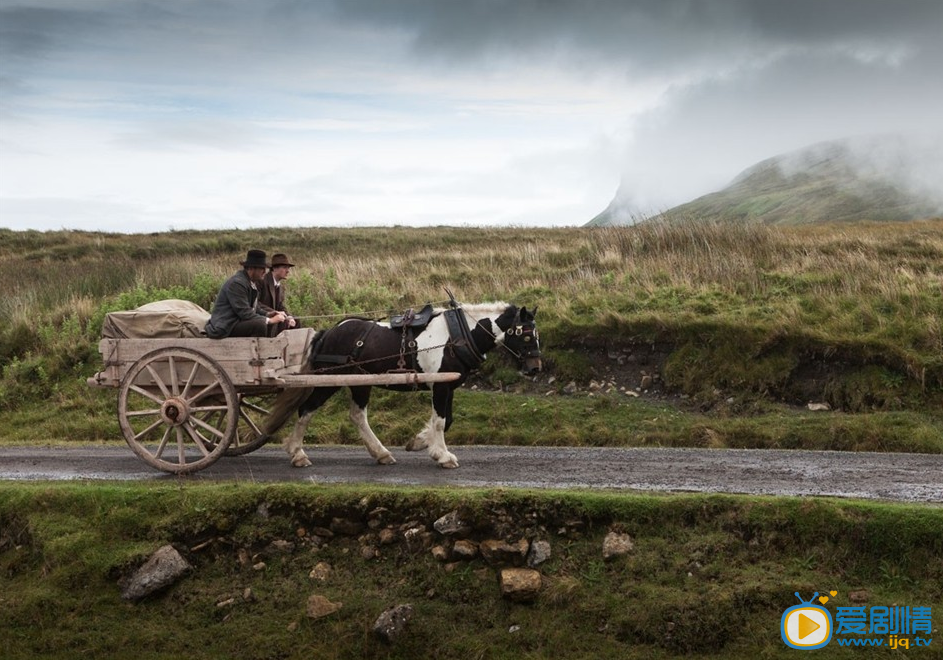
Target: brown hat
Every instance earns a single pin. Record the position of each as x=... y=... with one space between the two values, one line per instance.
x=280 y=260
x=254 y=259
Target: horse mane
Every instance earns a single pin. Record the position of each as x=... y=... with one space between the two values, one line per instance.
x=481 y=310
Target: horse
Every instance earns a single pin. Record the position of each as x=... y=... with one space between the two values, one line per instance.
x=456 y=339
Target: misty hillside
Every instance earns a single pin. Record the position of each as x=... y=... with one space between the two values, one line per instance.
x=883 y=179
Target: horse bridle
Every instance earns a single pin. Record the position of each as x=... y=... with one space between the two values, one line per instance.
x=526 y=333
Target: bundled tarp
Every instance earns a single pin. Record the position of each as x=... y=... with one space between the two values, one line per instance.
x=161 y=319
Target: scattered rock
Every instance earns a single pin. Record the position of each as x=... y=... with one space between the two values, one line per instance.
x=260 y=566
x=646 y=382
x=520 y=585
x=391 y=624
x=161 y=570
x=538 y=554
x=418 y=538
x=319 y=607
x=570 y=388
x=321 y=571
x=451 y=524
x=616 y=545
x=280 y=547
x=818 y=407
x=440 y=552
x=501 y=552
x=464 y=550
x=387 y=536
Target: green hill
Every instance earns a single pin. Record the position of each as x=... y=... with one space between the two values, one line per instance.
x=882 y=179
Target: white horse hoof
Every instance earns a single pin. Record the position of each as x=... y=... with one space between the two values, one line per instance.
x=447 y=460
x=300 y=461
x=386 y=460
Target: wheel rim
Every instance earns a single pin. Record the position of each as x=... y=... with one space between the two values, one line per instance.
x=177 y=410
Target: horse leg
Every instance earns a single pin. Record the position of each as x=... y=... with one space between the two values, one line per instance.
x=293 y=441
x=433 y=435
x=359 y=398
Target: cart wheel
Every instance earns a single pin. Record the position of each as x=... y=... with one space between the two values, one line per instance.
x=177 y=409
x=253 y=409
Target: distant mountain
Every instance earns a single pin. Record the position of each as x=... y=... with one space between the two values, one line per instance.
x=877 y=178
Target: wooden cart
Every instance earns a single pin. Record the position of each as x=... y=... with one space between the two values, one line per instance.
x=185 y=402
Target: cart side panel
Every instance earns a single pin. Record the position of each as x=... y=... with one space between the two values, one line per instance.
x=246 y=360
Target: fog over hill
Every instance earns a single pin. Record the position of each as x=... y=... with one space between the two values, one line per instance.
x=886 y=178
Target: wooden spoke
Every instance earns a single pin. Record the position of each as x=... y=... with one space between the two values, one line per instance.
x=197 y=409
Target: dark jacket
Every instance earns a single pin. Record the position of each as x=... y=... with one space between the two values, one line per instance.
x=272 y=299
x=236 y=301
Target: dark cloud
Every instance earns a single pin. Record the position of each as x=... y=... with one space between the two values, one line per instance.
x=648 y=37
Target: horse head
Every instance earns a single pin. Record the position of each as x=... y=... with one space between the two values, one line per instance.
x=522 y=340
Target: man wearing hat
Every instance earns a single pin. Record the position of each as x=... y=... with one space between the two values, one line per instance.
x=236 y=312
x=272 y=293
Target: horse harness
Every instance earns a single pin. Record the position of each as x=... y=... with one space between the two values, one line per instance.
x=460 y=343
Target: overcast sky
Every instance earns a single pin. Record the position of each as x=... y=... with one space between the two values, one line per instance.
x=132 y=116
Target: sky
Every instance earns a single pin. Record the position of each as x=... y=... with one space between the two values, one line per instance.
x=132 y=116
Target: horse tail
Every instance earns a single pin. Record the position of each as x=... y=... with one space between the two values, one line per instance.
x=286 y=403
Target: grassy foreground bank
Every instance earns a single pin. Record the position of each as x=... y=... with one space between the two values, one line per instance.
x=709 y=575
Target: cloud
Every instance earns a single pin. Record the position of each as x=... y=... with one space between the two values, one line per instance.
x=490 y=111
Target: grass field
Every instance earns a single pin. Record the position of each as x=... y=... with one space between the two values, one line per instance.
x=737 y=327
x=742 y=325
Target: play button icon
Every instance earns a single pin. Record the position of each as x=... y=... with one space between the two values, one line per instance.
x=806 y=627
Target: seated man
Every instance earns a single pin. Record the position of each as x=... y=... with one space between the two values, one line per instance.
x=236 y=312
x=272 y=293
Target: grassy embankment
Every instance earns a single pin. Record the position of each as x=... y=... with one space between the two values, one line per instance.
x=709 y=576
x=747 y=317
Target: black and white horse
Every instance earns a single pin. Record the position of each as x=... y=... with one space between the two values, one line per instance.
x=455 y=340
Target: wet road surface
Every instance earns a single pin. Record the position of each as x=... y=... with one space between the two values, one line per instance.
x=879 y=476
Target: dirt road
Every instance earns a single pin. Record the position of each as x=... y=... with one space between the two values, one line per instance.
x=898 y=477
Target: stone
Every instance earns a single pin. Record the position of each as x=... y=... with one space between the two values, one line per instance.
x=161 y=570
x=280 y=547
x=440 y=552
x=321 y=571
x=464 y=550
x=387 y=536
x=538 y=554
x=451 y=524
x=390 y=624
x=520 y=585
x=501 y=552
x=320 y=607
x=616 y=545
